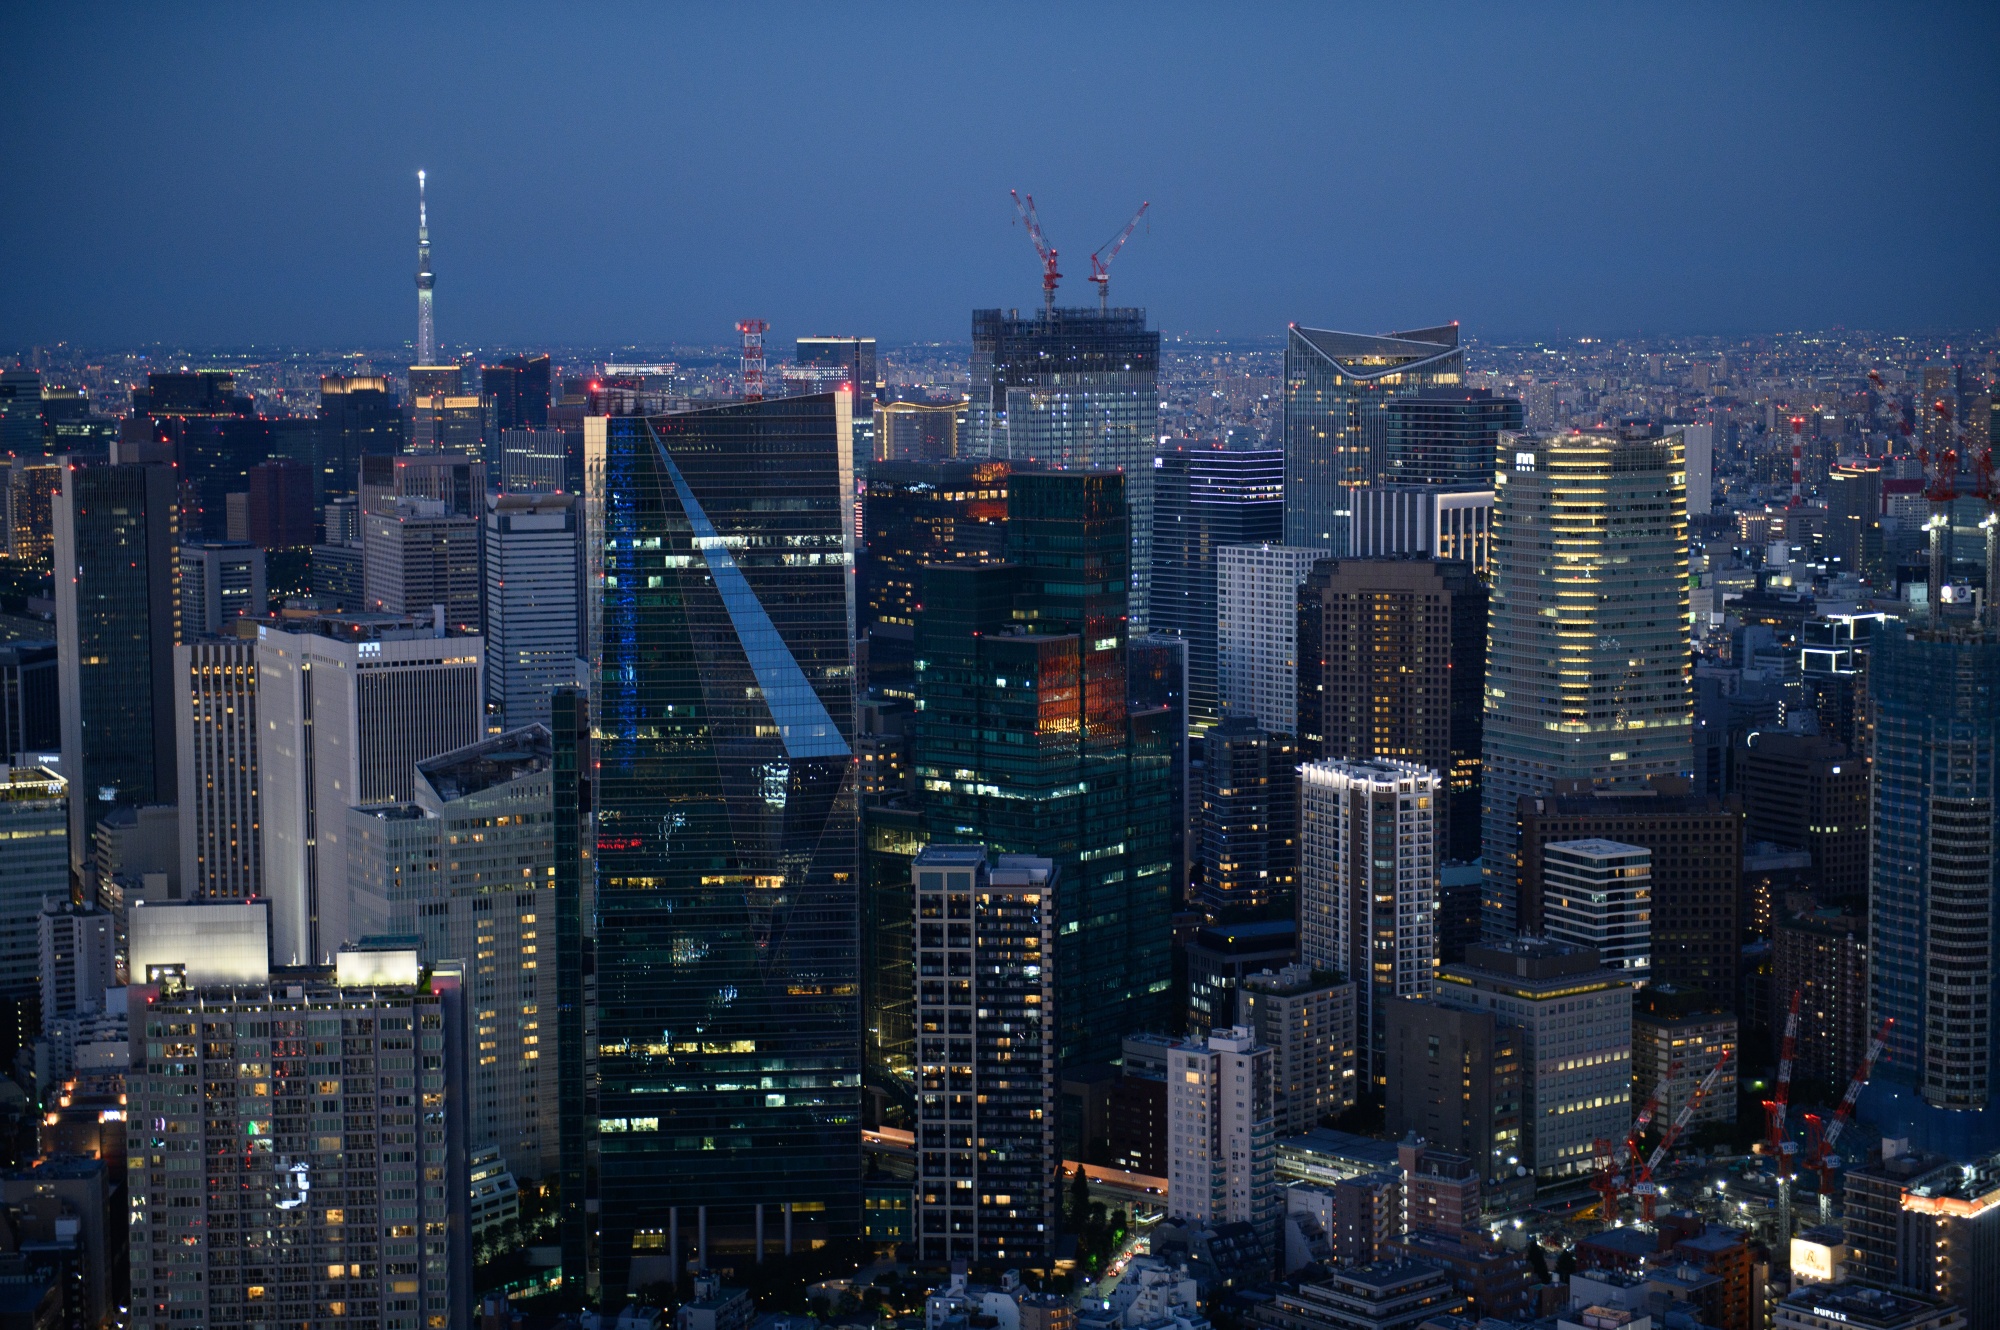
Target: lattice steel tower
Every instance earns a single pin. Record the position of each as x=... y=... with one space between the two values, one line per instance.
x=426 y=279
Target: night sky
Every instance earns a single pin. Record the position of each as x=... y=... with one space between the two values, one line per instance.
x=218 y=175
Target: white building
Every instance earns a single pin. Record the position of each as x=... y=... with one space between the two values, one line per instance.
x=1221 y=1134
x=34 y=867
x=1257 y=632
x=220 y=581
x=1368 y=852
x=79 y=957
x=416 y=554
x=1575 y=1019
x=1421 y=519
x=1700 y=440
x=534 y=570
x=216 y=734
x=349 y=707
x=467 y=867
x=1599 y=893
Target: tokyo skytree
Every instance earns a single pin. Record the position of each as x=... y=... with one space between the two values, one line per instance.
x=426 y=326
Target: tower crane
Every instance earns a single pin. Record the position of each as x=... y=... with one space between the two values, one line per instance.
x=1100 y=269
x=1646 y=1189
x=1050 y=276
x=1819 y=1147
x=1781 y=1146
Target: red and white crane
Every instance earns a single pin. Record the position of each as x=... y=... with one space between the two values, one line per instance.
x=1100 y=269
x=1645 y=1188
x=1050 y=275
x=1780 y=1146
x=1819 y=1144
x=753 y=331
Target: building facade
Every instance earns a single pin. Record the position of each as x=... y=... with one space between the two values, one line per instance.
x=1248 y=819
x=1367 y=883
x=1446 y=436
x=1257 y=632
x=1454 y=1078
x=534 y=604
x=1588 y=673
x=34 y=868
x=221 y=581
x=915 y=513
x=1306 y=1018
x=1221 y=1134
x=1406 y=520
x=221 y=804
x=1599 y=894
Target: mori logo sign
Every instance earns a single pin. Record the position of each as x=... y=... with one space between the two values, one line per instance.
x=295 y=1182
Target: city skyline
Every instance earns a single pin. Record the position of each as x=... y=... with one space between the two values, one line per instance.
x=1663 y=209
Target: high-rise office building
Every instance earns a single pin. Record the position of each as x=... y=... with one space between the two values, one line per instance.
x=1027 y=741
x=1249 y=820
x=314 y=1199
x=534 y=603
x=1074 y=388
x=853 y=359
x=221 y=581
x=1599 y=894
x=921 y=431
x=1257 y=632
x=1809 y=793
x=451 y=426
x=216 y=437
x=349 y=705
x=1222 y=1135
x=541 y=461
x=34 y=832
x=117 y=619
x=1575 y=1023
x=30 y=713
x=1453 y=1077
x=1367 y=879
x=1446 y=436
x=280 y=510
x=726 y=847
x=1156 y=681
x=32 y=487
x=1203 y=499
x=21 y=411
x=1695 y=842
x=1391 y=653
x=1822 y=955
x=358 y=417
x=466 y=868
x=1700 y=442
x=1338 y=387
x=216 y=740
x=1588 y=673
x=1405 y=520
x=1854 y=518
x=518 y=388
x=986 y=1061
x=1306 y=1018
x=77 y=955
x=1677 y=1040
x=1931 y=963
x=417 y=557
x=913 y=514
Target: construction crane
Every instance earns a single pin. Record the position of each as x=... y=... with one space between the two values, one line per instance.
x=1645 y=1188
x=1609 y=1183
x=1050 y=275
x=753 y=331
x=1819 y=1147
x=1100 y=269
x=1780 y=1146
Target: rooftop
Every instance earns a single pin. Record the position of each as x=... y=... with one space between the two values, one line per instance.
x=481 y=766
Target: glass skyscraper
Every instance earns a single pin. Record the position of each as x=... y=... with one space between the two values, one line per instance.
x=1205 y=498
x=1073 y=388
x=1446 y=436
x=1337 y=390
x=1027 y=743
x=1588 y=670
x=914 y=513
x=1933 y=894
x=727 y=893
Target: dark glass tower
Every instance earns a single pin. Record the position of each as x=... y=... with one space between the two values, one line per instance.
x=727 y=894
x=216 y=436
x=1073 y=388
x=914 y=513
x=1204 y=498
x=358 y=417
x=1338 y=387
x=519 y=389
x=1249 y=823
x=1447 y=437
x=1026 y=743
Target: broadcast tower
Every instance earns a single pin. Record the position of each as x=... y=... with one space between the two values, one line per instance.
x=426 y=328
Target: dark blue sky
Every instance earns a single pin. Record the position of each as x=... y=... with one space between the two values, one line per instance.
x=221 y=174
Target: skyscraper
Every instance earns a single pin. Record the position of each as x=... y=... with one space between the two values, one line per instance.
x=426 y=281
x=920 y=431
x=1074 y=388
x=854 y=357
x=216 y=437
x=726 y=861
x=518 y=388
x=221 y=814
x=1338 y=387
x=1203 y=499
x=1588 y=672
x=21 y=411
x=1367 y=880
x=1599 y=894
x=349 y=705
x=417 y=557
x=221 y=580
x=1257 y=632
x=32 y=868
x=1249 y=823
x=117 y=618
x=1027 y=742
x=1447 y=436
x=534 y=619
x=1222 y=1135
x=1391 y=653
x=358 y=417
x=986 y=1107
x=1931 y=963
x=912 y=514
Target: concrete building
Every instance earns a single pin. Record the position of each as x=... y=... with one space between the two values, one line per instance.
x=1822 y=955
x=1257 y=632
x=1440 y=1189
x=343 y=1200
x=1860 y=1307
x=418 y=555
x=985 y=1113
x=1599 y=894
x=1248 y=825
x=1699 y=442
x=1588 y=675
x=1575 y=1023
x=1494 y=1280
x=1809 y=793
x=1220 y=1134
x=1418 y=520
x=221 y=809
x=350 y=705
x=1388 y=1295
x=534 y=624
x=466 y=867
x=1917 y=1221
x=34 y=867
x=1454 y=1079
x=1219 y=958
x=77 y=952
x=1677 y=1039
x=1367 y=883
x=221 y=581
x=1306 y=1018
